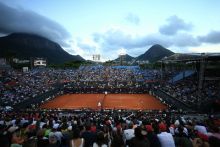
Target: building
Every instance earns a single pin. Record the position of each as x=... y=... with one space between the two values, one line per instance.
x=39 y=62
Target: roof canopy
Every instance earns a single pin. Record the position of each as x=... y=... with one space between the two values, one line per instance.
x=192 y=57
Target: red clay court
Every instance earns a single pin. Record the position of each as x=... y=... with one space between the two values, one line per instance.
x=109 y=101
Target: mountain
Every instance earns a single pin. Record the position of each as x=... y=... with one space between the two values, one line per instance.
x=155 y=53
x=126 y=58
x=24 y=46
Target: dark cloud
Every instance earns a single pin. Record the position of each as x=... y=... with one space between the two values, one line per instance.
x=133 y=19
x=211 y=37
x=174 y=25
x=21 y=20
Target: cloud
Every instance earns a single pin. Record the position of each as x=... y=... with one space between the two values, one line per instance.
x=109 y=42
x=118 y=37
x=212 y=37
x=206 y=48
x=132 y=18
x=21 y=20
x=174 y=25
x=123 y=39
x=185 y=40
x=88 y=45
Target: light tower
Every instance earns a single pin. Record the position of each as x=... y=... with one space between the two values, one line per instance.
x=96 y=57
x=122 y=53
x=121 y=58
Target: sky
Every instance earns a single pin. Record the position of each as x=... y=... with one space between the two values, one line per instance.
x=113 y=27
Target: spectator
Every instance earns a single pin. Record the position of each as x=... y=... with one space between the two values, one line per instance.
x=77 y=141
x=100 y=141
x=166 y=139
x=128 y=133
x=139 y=140
x=117 y=138
x=152 y=137
x=88 y=136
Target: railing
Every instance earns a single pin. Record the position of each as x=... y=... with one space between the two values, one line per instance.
x=171 y=100
x=38 y=99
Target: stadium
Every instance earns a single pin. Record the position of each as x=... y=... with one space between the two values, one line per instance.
x=109 y=73
x=97 y=93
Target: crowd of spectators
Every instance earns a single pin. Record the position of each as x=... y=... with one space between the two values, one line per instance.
x=97 y=79
x=17 y=86
x=187 y=91
x=107 y=129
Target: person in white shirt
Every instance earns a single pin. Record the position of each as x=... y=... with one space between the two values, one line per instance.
x=128 y=133
x=166 y=139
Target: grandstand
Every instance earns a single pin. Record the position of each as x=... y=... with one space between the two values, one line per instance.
x=111 y=99
x=204 y=68
x=187 y=86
